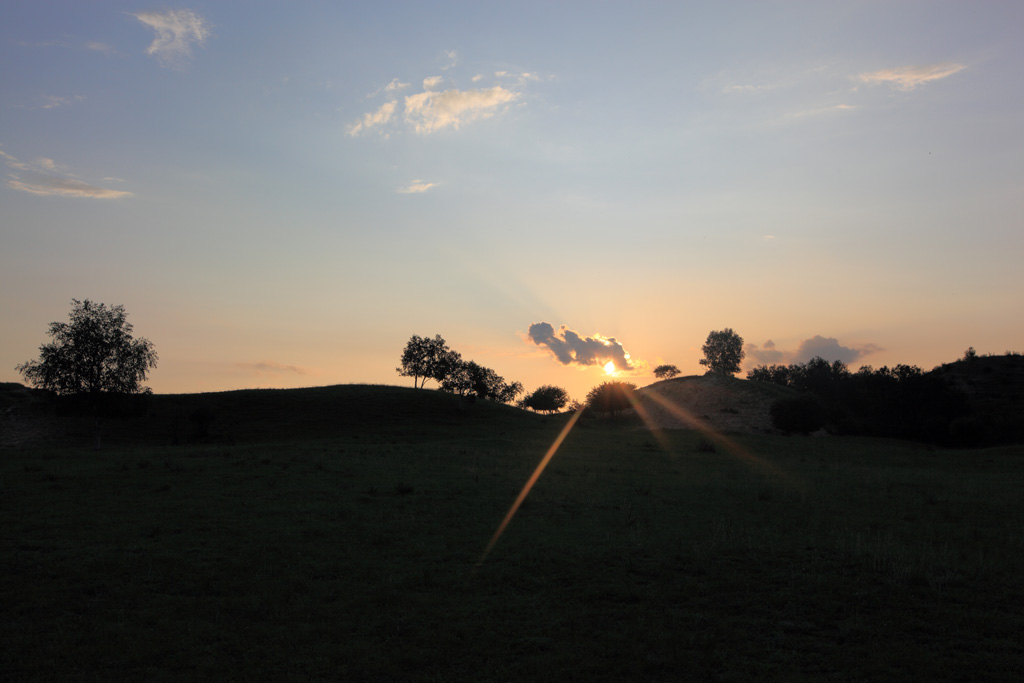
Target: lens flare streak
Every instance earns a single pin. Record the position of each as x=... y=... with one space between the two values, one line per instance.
x=717 y=437
x=529 y=484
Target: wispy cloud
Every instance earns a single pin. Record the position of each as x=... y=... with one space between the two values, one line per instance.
x=431 y=111
x=97 y=46
x=452 y=58
x=375 y=118
x=176 y=32
x=270 y=367
x=909 y=77
x=416 y=187
x=819 y=111
x=395 y=85
x=569 y=347
x=55 y=101
x=748 y=88
x=46 y=178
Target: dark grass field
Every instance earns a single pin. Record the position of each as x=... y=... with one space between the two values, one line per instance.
x=335 y=534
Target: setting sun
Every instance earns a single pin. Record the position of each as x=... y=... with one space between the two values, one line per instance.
x=609 y=367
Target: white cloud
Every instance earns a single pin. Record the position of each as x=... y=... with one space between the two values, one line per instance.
x=416 y=187
x=395 y=85
x=909 y=77
x=176 y=31
x=374 y=118
x=434 y=109
x=431 y=111
x=453 y=59
x=44 y=177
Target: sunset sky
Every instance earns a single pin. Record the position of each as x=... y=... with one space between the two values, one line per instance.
x=281 y=194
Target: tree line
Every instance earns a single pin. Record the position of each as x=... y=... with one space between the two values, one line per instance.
x=94 y=356
x=902 y=402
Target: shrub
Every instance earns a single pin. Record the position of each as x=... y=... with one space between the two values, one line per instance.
x=611 y=397
x=801 y=414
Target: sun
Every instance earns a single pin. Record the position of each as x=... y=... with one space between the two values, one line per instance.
x=609 y=368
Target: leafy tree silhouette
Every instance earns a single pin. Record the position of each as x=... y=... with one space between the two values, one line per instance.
x=666 y=371
x=611 y=397
x=547 y=398
x=92 y=355
x=424 y=358
x=723 y=352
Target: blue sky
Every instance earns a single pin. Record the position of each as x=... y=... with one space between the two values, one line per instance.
x=281 y=194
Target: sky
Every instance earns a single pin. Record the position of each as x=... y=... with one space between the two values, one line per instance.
x=282 y=194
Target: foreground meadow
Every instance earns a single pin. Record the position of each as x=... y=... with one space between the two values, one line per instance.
x=636 y=556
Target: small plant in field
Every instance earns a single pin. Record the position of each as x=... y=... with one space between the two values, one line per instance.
x=706 y=446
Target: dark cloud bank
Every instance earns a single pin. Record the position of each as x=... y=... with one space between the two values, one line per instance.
x=569 y=347
x=828 y=348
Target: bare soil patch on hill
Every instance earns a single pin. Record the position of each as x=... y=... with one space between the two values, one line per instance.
x=721 y=403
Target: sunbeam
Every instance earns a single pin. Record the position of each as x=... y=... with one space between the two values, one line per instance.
x=656 y=431
x=529 y=484
x=714 y=435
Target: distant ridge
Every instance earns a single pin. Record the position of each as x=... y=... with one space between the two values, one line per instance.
x=29 y=417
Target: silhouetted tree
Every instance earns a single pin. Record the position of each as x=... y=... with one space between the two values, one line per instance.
x=509 y=392
x=611 y=397
x=485 y=383
x=723 y=352
x=547 y=398
x=424 y=358
x=802 y=414
x=92 y=355
x=902 y=401
x=666 y=371
x=775 y=374
x=454 y=375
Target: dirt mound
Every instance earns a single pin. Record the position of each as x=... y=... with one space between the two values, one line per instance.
x=725 y=404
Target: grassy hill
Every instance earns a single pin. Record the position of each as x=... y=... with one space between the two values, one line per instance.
x=721 y=402
x=338 y=534
x=994 y=386
x=30 y=418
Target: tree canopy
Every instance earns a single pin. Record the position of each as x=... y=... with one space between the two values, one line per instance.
x=666 y=371
x=424 y=358
x=611 y=397
x=723 y=352
x=93 y=353
x=902 y=401
x=547 y=398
